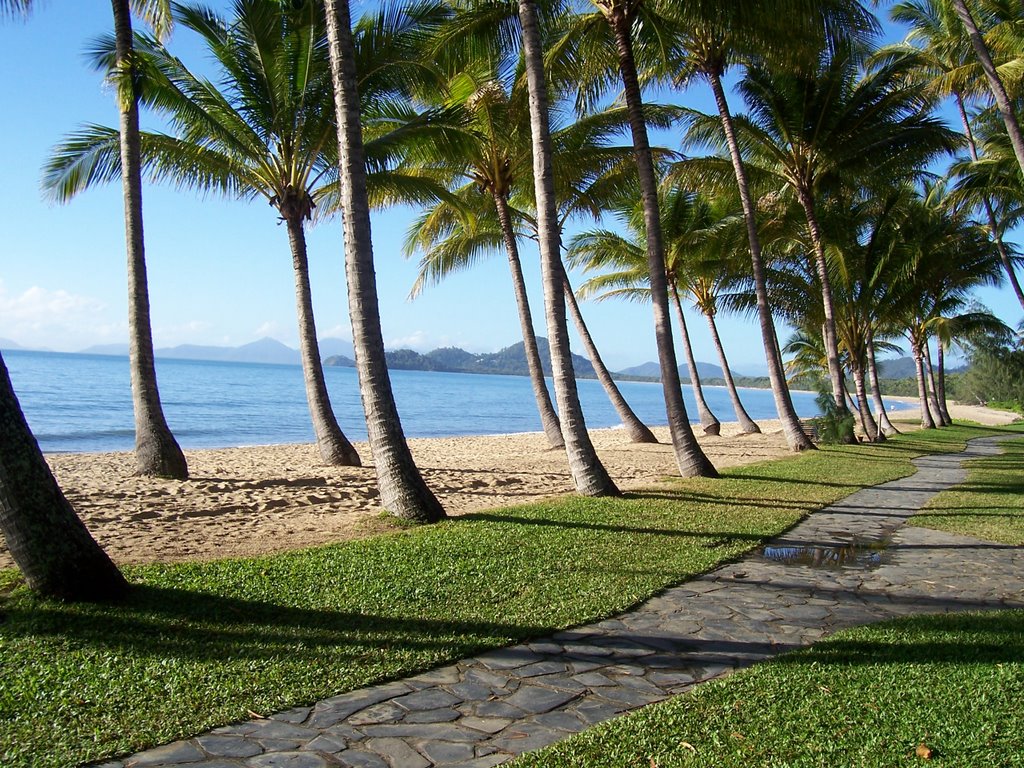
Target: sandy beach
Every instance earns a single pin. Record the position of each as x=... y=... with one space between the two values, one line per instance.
x=255 y=500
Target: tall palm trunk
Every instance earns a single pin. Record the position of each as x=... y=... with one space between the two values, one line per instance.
x=691 y=459
x=927 y=422
x=884 y=423
x=708 y=420
x=830 y=337
x=548 y=417
x=995 y=84
x=402 y=490
x=942 y=419
x=867 y=422
x=589 y=474
x=997 y=238
x=50 y=545
x=747 y=425
x=795 y=435
x=940 y=381
x=156 y=451
x=335 y=449
x=637 y=431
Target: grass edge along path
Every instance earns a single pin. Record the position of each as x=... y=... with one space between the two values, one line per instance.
x=928 y=690
x=204 y=644
x=989 y=504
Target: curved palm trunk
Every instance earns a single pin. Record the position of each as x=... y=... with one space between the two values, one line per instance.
x=927 y=422
x=335 y=449
x=831 y=338
x=940 y=381
x=50 y=545
x=884 y=423
x=637 y=431
x=939 y=417
x=708 y=420
x=867 y=422
x=994 y=83
x=1004 y=256
x=589 y=474
x=795 y=435
x=548 y=417
x=747 y=425
x=402 y=490
x=691 y=459
x=156 y=451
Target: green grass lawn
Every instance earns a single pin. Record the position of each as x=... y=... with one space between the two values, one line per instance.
x=990 y=505
x=867 y=697
x=951 y=685
x=203 y=644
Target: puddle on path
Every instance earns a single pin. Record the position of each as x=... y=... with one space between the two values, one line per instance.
x=858 y=554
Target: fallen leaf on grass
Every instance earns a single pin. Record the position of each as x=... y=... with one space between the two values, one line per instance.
x=256 y=715
x=924 y=752
x=688 y=746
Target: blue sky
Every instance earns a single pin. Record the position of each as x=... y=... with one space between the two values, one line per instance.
x=220 y=271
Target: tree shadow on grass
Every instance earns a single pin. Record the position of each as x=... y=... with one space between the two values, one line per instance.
x=177 y=623
x=497 y=517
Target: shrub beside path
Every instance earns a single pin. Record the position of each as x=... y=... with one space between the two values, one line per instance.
x=852 y=563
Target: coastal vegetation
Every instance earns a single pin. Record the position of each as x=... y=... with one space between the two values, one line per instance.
x=194 y=645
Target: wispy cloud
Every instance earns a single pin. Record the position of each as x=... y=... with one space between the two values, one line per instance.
x=57 y=319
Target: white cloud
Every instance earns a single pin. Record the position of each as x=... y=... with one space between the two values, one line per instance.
x=336 y=332
x=269 y=328
x=418 y=340
x=57 y=319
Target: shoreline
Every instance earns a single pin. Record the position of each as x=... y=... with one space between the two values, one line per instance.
x=259 y=500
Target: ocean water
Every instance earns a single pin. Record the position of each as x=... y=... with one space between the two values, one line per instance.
x=83 y=402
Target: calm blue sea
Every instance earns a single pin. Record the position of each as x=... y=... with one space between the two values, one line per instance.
x=83 y=403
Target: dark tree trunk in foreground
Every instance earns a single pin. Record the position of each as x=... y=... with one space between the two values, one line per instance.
x=708 y=420
x=941 y=419
x=691 y=460
x=795 y=435
x=402 y=490
x=50 y=545
x=589 y=474
x=747 y=425
x=156 y=451
x=548 y=417
x=638 y=431
x=335 y=449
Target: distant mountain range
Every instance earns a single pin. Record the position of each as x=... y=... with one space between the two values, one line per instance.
x=265 y=350
x=509 y=361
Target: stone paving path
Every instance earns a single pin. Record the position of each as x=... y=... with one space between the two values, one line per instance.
x=852 y=563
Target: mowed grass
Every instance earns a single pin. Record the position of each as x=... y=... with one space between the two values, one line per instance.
x=199 y=645
x=933 y=690
x=990 y=505
x=937 y=690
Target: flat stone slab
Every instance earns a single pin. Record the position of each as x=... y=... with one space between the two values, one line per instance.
x=483 y=711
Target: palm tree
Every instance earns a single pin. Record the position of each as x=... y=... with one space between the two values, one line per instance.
x=496 y=155
x=156 y=450
x=490 y=210
x=692 y=233
x=709 y=39
x=56 y=554
x=402 y=489
x=940 y=58
x=589 y=474
x=265 y=131
x=816 y=132
x=995 y=82
x=620 y=16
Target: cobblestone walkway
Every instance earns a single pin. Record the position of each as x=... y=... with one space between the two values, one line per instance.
x=849 y=564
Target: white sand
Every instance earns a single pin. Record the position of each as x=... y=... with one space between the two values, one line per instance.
x=245 y=501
